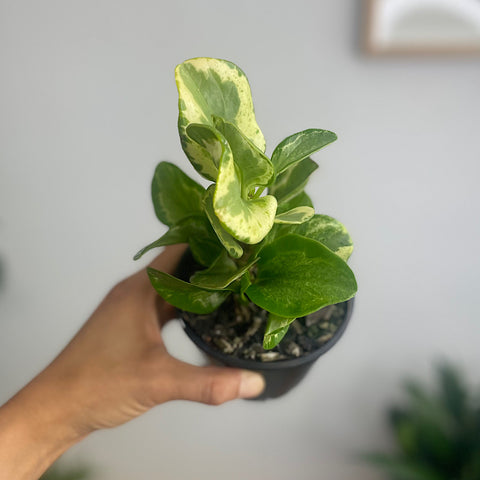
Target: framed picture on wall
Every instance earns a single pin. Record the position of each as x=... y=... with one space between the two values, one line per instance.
x=422 y=27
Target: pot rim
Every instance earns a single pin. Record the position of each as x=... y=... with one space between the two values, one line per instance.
x=274 y=365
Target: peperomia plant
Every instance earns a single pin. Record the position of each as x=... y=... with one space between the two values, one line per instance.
x=254 y=228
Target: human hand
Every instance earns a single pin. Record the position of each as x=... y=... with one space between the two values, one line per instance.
x=114 y=369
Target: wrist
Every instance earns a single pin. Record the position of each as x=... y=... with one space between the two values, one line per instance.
x=35 y=429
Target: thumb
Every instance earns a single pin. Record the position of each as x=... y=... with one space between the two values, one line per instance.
x=213 y=385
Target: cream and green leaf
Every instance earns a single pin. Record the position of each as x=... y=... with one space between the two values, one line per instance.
x=255 y=167
x=296 y=215
x=275 y=330
x=247 y=219
x=253 y=228
x=207 y=87
x=299 y=146
x=326 y=230
x=231 y=245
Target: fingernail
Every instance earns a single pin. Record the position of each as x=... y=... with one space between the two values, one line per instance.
x=251 y=384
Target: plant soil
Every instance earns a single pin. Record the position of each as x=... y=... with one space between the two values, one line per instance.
x=237 y=329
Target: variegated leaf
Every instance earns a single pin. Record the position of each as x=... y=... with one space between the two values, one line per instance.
x=247 y=220
x=233 y=248
x=206 y=87
x=174 y=194
x=300 y=200
x=328 y=231
x=297 y=215
x=256 y=167
x=184 y=295
x=292 y=181
x=276 y=329
x=298 y=146
x=210 y=143
x=223 y=272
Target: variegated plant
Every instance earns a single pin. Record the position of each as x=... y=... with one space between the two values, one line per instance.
x=270 y=248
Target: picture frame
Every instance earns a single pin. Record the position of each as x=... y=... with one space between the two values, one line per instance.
x=422 y=27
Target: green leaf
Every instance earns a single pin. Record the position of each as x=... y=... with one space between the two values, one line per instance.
x=292 y=181
x=300 y=200
x=184 y=295
x=299 y=146
x=275 y=330
x=206 y=87
x=297 y=215
x=231 y=245
x=197 y=232
x=256 y=168
x=246 y=220
x=245 y=282
x=56 y=472
x=454 y=394
x=174 y=194
x=326 y=230
x=220 y=274
x=205 y=249
x=297 y=276
x=174 y=235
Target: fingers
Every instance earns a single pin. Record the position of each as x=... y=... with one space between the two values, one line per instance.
x=213 y=385
x=165 y=311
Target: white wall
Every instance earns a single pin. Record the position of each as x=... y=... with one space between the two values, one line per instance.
x=87 y=109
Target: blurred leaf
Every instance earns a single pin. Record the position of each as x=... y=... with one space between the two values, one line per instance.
x=452 y=391
x=63 y=473
x=437 y=430
x=402 y=469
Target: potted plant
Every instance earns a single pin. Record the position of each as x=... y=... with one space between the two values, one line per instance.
x=260 y=257
x=437 y=433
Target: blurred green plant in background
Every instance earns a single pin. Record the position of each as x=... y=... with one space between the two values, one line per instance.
x=57 y=472
x=438 y=433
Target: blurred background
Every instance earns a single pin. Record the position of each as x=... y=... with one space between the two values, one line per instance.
x=88 y=107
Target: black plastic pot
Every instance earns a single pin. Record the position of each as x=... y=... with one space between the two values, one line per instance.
x=280 y=376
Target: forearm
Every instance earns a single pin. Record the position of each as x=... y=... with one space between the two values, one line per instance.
x=34 y=431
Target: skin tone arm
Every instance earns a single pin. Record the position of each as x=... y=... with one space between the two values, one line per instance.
x=113 y=370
